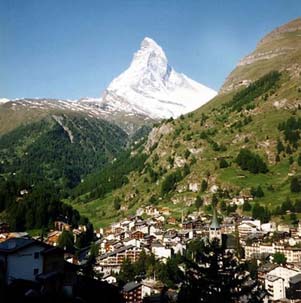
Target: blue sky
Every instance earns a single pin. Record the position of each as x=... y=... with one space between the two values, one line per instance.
x=74 y=48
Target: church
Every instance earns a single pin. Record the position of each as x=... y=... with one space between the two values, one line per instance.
x=215 y=229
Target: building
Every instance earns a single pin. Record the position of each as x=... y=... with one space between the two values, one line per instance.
x=215 y=229
x=257 y=250
x=53 y=238
x=25 y=259
x=150 y=287
x=61 y=225
x=112 y=261
x=160 y=251
x=275 y=287
x=109 y=278
x=282 y=282
x=247 y=228
x=132 y=292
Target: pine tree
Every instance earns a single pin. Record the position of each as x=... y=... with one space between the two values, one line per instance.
x=223 y=163
x=295 y=185
x=217 y=276
x=66 y=241
x=198 y=202
x=280 y=147
x=204 y=185
x=127 y=272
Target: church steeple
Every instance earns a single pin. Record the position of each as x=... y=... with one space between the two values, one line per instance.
x=214 y=222
x=215 y=229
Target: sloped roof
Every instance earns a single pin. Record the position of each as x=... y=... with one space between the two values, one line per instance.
x=214 y=223
x=14 y=244
x=131 y=286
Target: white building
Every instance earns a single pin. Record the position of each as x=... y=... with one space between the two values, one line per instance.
x=24 y=258
x=278 y=280
x=150 y=287
x=275 y=287
x=160 y=251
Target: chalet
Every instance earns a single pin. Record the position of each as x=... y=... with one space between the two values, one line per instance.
x=137 y=235
x=141 y=226
x=149 y=239
x=152 y=228
x=132 y=292
x=126 y=225
x=60 y=226
x=159 y=218
x=53 y=238
x=171 y=238
x=187 y=225
x=196 y=224
x=120 y=236
x=172 y=220
x=186 y=234
x=151 y=210
x=118 y=230
x=150 y=287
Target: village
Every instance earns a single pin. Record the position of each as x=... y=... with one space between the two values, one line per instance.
x=274 y=248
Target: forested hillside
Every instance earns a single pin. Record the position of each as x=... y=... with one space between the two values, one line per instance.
x=246 y=142
x=60 y=148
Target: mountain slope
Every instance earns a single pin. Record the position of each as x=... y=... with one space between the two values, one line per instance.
x=61 y=148
x=247 y=136
x=280 y=48
x=150 y=86
x=14 y=113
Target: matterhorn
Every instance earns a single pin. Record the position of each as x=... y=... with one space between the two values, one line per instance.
x=151 y=87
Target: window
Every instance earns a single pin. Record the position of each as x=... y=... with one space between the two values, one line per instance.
x=36 y=255
x=35 y=271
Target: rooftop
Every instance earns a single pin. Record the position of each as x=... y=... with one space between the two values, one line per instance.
x=130 y=286
x=272 y=278
x=13 y=244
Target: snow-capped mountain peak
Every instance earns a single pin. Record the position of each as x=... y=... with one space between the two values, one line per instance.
x=151 y=56
x=150 y=86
